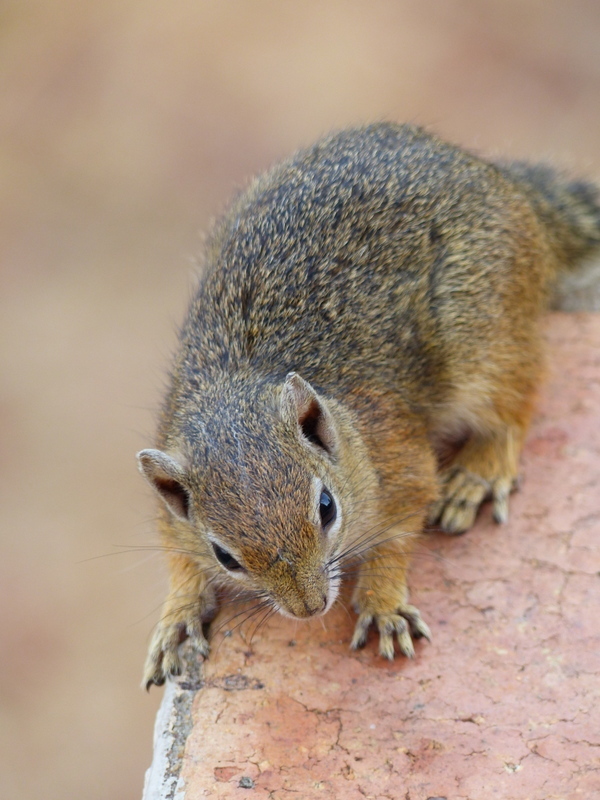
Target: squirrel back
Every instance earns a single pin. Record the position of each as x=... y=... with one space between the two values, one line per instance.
x=377 y=257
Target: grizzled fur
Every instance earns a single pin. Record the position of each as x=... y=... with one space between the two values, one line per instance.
x=403 y=280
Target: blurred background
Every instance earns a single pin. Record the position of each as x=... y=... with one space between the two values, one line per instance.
x=124 y=127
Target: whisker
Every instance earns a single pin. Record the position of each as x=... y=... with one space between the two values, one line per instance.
x=249 y=611
x=269 y=613
x=373 y=532
x=137 y=549
x=338 y=601
x=372 y=541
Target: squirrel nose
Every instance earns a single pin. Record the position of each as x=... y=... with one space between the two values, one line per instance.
x=318 y=608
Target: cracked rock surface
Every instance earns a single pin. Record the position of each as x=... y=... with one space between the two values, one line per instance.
x=503 y=703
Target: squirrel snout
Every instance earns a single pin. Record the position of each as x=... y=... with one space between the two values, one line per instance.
x=303 y=607
x=305 y=603
x=314 y=609
x=299 y=590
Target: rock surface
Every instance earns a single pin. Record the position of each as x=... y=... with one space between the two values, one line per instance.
x=503 y=702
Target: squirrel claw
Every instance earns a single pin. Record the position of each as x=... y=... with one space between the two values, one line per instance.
x=359 y=638
x=462 y=494
x=406 y=625
x=501 y=492
x=163 y=659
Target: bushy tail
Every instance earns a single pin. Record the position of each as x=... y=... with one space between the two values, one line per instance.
x=570 y=210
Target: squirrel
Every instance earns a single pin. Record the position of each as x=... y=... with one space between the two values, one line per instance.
x=364 y=303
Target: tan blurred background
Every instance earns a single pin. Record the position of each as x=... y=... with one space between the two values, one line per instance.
x=124 y=126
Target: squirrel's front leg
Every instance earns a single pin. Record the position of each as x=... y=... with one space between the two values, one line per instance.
x=190 y=603
x=381 y=598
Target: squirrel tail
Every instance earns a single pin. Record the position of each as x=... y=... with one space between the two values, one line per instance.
x=570 y=211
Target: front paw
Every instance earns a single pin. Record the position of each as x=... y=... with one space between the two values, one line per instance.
x=163 y=659
x=463 y=492
x=405 y=624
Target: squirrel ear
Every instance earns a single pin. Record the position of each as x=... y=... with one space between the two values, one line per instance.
x=300 y=402
x=167 y=477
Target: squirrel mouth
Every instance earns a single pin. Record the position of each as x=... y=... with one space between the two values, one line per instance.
x=302 y=609
x=307 y=608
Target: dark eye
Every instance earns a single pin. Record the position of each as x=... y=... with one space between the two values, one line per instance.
x=327 y=509
x=226 y=559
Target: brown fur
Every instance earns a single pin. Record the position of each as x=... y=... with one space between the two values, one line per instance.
x=402 y=281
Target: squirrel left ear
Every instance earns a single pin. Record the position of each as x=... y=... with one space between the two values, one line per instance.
x=300 y=402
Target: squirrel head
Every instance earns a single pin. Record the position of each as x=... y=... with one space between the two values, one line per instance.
x=260 y=483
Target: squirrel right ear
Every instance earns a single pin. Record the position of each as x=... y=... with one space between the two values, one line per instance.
x=167 y=477
x=300 y=402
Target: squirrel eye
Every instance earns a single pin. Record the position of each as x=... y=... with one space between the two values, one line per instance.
x=327 y=509
x=226 y=559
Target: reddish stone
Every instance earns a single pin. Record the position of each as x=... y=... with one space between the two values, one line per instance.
x=502 y=704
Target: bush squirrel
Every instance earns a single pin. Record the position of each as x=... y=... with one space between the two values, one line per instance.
x=364 y=302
